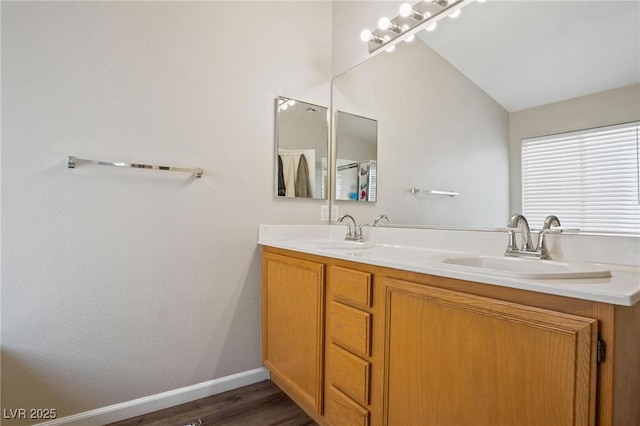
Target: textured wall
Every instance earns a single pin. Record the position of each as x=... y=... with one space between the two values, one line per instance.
x=119 y=284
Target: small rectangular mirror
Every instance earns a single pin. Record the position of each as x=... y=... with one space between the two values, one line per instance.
x=302 y=146
x=356 y=158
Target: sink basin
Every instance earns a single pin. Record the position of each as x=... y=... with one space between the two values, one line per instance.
x=326 y=243
x=527 y=268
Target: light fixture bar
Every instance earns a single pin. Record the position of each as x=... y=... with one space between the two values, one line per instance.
x=387 y=24
x=380 y=42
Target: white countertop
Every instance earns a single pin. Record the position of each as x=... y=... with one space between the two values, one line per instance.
x=422 y=251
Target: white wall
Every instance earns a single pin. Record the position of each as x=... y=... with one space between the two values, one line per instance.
x=121 y=283
x=353 y=148
x=615 y=106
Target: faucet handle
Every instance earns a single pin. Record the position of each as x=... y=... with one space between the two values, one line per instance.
x=511 y=245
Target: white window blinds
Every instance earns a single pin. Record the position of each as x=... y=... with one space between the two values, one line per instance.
x=589 y=179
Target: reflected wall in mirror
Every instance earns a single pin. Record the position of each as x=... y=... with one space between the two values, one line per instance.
x=356 y=157
x=302 y=145
x=454 y=105
x=436 y=131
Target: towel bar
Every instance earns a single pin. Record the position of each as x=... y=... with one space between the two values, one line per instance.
x=72 y=161
x=414 y=191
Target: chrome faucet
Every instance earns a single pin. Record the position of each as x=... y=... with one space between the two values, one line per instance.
x=380 y=218
x=549 y=221
x=527 y=249
x=517 y=220
x=354 y=233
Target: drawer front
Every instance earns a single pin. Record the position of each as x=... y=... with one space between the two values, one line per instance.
x=350 y=328
x=341 y=410
x=349 y=373
x=352 y=286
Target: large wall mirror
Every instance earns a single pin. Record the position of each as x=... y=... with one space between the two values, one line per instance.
x=356 y=157
x=453 y=105
x=302 y=140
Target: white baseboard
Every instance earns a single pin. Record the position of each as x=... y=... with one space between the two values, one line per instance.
x=138 y=407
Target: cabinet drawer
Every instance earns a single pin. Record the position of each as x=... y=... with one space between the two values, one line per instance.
x=350 y=328
x=342 y=411
x=352 y=286
x=349 y=373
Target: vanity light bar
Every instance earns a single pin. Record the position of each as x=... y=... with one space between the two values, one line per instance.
x=411 y=19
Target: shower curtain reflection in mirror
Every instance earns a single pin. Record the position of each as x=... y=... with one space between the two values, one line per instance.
x=356 y=162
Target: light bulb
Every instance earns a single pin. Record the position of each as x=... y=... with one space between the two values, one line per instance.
x=406 y=10
x=390 y=48
x=291 y=102
x=481 y=1
x=410 y=38
x=455 y=14
x=365 y=35
x=384 y=23
x=284 y=107
x=432 y=27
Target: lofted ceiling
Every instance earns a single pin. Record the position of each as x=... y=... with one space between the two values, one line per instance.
x=530 y=53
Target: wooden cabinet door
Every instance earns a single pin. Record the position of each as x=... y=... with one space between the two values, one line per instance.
x=292 y=326
x=458 y=359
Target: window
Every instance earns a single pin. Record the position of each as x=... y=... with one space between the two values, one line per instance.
x=589 y=179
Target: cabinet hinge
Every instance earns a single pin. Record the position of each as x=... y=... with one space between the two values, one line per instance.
x=601 y=350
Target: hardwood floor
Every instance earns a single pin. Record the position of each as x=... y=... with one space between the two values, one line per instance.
x=261 y=404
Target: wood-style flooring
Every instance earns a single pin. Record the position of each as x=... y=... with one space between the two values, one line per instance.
x=261 y=404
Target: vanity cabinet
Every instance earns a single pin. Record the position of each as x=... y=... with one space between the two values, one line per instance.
x=399 y=348
x=292 y=327
x=458 y=359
